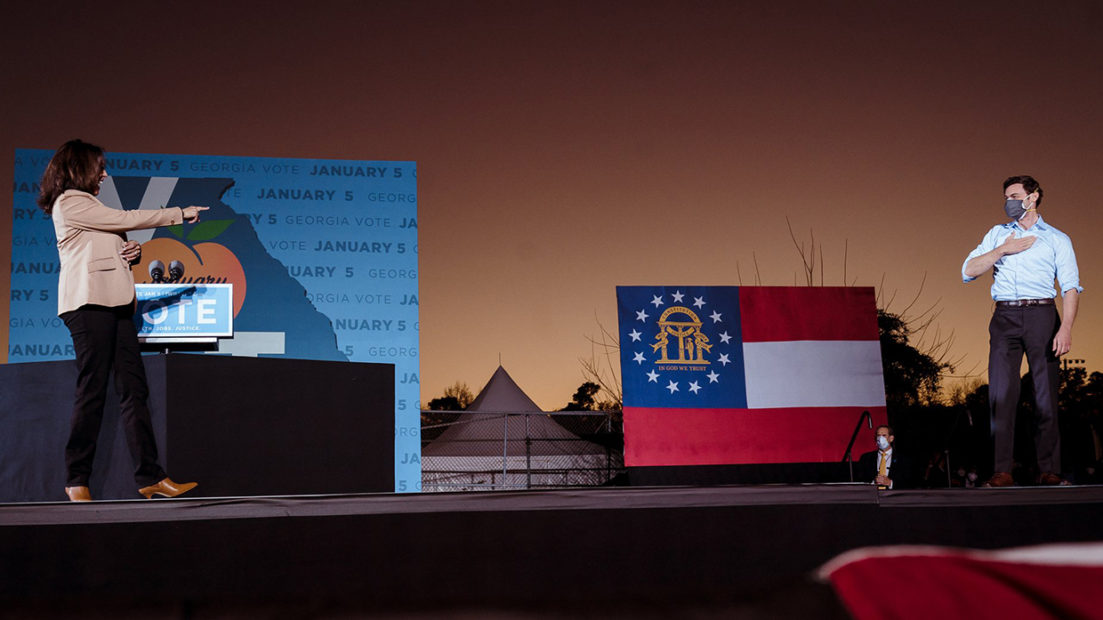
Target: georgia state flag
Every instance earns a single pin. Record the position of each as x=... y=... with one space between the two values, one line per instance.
x=717 y=375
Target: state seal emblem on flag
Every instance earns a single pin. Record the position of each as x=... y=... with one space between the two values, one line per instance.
x=682 y=346
x=719 y=374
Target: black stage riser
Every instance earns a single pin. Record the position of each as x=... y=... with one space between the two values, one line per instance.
x=238 y=426
x=603 y=554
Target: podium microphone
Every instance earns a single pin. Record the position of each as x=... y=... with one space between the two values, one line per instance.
x=176 y=271
x=157 y=271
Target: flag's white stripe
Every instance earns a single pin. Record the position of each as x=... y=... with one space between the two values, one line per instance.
x=814 y=373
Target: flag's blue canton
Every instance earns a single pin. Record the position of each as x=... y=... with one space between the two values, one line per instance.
x=663 y=361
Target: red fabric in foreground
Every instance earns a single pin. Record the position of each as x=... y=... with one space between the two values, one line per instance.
x=663 y=437
x=773 y=313
x=957 y=586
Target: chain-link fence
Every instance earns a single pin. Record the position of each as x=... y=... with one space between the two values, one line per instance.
x=508 y=451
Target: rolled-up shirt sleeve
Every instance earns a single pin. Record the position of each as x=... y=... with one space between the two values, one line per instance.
x=1068 y=275
x=986 y=245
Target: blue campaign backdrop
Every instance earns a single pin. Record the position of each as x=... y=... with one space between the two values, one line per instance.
x=322 y=255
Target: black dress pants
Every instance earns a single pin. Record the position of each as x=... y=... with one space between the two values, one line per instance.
x=1013 y=331
x=105 y=340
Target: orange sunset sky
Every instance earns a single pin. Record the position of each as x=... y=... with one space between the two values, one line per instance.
x=564 y=148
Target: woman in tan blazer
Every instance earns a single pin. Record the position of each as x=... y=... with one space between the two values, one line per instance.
x=96 y=301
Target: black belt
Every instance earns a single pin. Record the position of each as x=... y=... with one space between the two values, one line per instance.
x=1026 y=302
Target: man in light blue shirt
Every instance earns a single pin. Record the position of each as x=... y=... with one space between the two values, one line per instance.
x=1026 y=255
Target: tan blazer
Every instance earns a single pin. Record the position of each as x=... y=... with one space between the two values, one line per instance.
x=90 y=235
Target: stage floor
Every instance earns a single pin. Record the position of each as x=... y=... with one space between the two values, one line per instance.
x=631 y=549
x=633 y=498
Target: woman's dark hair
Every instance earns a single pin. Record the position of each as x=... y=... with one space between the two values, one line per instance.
x=75 y=165
x=1029 y=184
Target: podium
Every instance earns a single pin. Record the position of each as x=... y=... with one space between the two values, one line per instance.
x=184 y=315
x=239 y=426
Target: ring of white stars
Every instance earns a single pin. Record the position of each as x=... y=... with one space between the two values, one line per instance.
x=653 y=377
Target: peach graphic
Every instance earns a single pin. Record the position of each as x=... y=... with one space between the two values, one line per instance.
x=203 y=263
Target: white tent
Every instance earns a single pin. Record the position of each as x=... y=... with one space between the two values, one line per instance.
x=504 y=441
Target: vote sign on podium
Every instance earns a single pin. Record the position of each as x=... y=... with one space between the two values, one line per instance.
x=184 y=312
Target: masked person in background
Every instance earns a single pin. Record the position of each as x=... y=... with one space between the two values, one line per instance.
x=96 y=301
x=883 y=466
x=1026 y=255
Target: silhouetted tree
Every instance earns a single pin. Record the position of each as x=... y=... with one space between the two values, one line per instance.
x=602 y=368
x=922 y=421
x=583 y=399
x=445 y=403
x=1080 y=402
x=912 y=377
x=457 y=397
x=598 y=427
x=1080 y=417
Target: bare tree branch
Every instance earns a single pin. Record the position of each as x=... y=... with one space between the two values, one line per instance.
x=603 y=365
x=846 y=248
x=821 y=264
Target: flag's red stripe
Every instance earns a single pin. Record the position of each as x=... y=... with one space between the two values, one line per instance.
x=772 y=313
x=956 y=587
x=665 y=437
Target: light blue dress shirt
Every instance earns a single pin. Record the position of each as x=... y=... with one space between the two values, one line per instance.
x=1030 y=273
